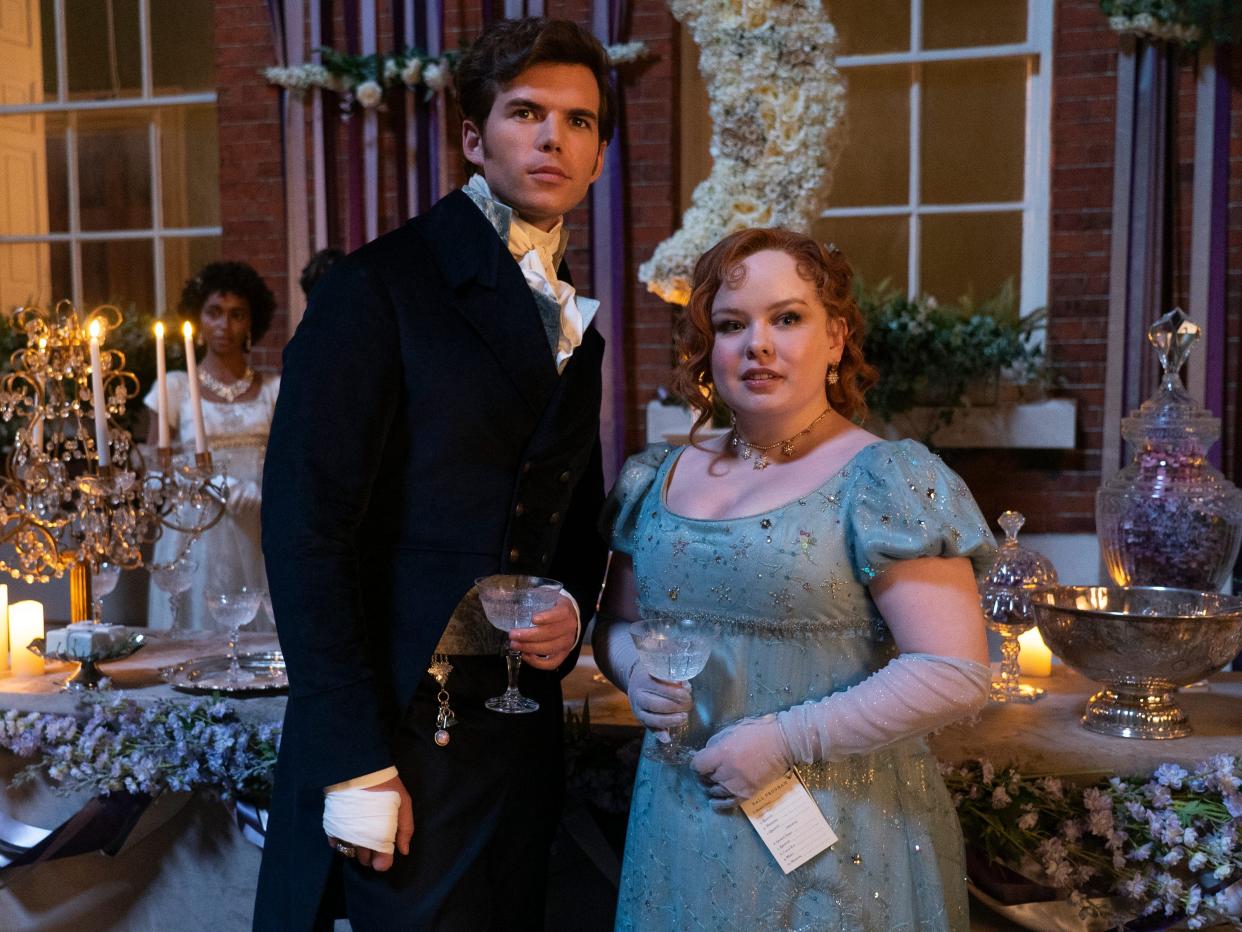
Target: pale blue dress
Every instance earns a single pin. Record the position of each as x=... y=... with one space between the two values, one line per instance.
x=788 y=587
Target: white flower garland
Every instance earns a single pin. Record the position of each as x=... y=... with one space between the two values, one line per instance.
x=363 y=79
x=776 y=103
x=1146 y=26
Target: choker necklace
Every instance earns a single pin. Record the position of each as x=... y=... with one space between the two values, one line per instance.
x=787 y=446
x=230 y=391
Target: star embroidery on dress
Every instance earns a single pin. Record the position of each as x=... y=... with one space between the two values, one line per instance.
x=723 y=592
x=679 y=547
x=833 y=585
x=741 y=548
x=806 y=540
x=783 y=600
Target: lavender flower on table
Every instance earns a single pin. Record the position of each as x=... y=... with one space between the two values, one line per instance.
x=1166 y=843
x=119 y=744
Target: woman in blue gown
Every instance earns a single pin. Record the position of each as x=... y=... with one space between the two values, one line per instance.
x=837 y=568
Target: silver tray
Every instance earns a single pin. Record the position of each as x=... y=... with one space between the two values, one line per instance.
x=206 y=675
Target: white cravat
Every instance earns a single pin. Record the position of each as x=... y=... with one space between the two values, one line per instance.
x=537 y=253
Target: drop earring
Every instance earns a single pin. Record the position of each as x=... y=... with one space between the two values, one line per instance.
x=833 y=377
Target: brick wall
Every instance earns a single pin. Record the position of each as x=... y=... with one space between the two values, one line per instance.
x=252 y=197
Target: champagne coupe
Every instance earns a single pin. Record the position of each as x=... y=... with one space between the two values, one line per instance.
x=672 y=648
x=511 y=602
x=174 y=578
x=103 y=581
x=232 y=602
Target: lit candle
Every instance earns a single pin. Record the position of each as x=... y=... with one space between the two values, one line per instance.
x=36 y=434
x=196 y=398
x=97 y=391
x=1034 y=658
x=25 y=624
x=4 y=628
x=161 y=385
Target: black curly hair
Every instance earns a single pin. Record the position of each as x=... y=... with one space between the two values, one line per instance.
x=232 y=278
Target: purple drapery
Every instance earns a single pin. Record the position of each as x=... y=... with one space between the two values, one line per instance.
x=608 y=256
x=357 y=234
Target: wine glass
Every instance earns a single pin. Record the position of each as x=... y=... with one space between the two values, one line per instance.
x=511 y=602
x=672 y=648
x=174 y=578
x=103 y=581
x=232 y=601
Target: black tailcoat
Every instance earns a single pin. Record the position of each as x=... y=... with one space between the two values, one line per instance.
x=422 y=438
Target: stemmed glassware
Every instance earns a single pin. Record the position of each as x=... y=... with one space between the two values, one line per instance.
x=1007 y=589
x=174 y=578
x=233 y=600
x=103 y=581
x=510 y=602
x=672 y=648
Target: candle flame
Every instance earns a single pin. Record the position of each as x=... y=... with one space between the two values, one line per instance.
x=94 y=328
x=42 y=342
x=159 y=328
x=188 y=329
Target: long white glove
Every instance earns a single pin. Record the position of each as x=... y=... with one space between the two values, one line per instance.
x=912 y=695
x=658 y=704
x=245 y=497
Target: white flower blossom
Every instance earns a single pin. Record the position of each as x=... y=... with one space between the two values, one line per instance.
x=437 y=76
x=392 y=69
x=369 y=94
x=1000 y=799
x=411 y=73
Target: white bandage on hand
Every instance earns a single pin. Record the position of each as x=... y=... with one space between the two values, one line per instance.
x=361 y=817
x=913 y=695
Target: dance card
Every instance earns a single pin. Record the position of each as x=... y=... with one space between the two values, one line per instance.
x=788 y=821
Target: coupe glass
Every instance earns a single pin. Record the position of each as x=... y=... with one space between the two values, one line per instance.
x=674 y=649
x=174 y=578
x=512 y=602
x=232 y=601
x=103 y=581
x=1015 y=574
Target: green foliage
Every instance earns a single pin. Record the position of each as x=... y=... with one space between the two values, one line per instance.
x=931 y=354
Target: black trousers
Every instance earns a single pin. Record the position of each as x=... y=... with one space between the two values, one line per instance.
x=486 y=808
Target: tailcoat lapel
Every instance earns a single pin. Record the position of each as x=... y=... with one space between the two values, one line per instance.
x=492 y=295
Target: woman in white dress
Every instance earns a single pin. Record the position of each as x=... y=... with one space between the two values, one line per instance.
x=233 y=308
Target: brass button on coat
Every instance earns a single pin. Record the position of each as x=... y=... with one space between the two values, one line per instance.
x=555 y=518
x=513 y=555
x=565 y=476
x=519 y=509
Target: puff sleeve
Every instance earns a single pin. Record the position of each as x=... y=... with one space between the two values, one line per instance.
x=907 y=503
x=622 y=513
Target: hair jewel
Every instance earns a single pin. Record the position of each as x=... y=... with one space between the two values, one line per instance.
x=833 y=249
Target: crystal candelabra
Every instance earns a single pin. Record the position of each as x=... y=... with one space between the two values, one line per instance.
x=76 y=493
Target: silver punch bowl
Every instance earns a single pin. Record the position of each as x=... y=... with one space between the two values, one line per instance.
x=1141 y=643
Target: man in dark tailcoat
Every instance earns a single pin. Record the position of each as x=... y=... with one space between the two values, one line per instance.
x=438 y=422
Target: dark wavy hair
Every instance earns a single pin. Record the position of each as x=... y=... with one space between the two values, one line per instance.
x=510 y=46
x=822 y=266
x=234 y=278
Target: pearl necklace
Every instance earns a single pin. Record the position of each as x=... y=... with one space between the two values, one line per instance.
x=787 y=446
x=228 y=391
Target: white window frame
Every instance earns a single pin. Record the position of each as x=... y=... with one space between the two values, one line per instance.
x=1034 y=206
x=147 y=101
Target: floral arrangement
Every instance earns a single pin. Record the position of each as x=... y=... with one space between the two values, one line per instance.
x=777 y=104
x=1165 y=844
x=364 y=79
x=124 y=746
x=931 y=354
x=1183 y=22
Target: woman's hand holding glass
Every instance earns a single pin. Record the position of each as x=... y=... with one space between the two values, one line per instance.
x=660 y=705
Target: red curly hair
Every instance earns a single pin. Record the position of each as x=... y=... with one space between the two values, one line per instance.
x=833 y=279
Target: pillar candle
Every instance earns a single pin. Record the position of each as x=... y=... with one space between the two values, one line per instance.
x=1034 y=658
x=97 y=391
x=4 y=628
x=36 y=434
x=25 y=624
x=161 y=385
x=196 y=398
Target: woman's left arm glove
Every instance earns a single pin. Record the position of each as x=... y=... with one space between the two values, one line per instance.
x=740 y=760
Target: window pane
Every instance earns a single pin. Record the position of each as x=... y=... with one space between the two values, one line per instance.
x=32 y=175
x=974 y=131
x=103 y=48
x=184 y=258
x=957 y=23
x=44 y=39
x=190 y=163
x=119 y=272
x=876 y=247
x=874 y=167
x=970 y=254
x=34 y=274
x=114 y=170
x=869 y=26
x=181 y=46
